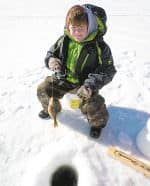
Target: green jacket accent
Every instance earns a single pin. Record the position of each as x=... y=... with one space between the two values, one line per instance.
x=74 y=50
x=101 y=26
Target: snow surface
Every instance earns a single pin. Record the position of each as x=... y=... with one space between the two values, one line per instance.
x=143 y=140
x=30 y=148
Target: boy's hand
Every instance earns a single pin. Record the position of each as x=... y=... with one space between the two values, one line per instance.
x=54 y=64
x=84 y=92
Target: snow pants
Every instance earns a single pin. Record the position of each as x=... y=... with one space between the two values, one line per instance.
x=94 y=108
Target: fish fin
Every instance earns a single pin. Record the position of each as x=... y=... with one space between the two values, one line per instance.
x=55 y=123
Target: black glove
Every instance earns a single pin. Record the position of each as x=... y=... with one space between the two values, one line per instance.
x=95 y=81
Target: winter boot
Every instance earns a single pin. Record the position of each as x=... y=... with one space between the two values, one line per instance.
x=44 y=115
x=95 y=132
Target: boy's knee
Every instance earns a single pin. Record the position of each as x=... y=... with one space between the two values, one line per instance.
x=92 y=105
x=41 y=90
x=96 y=111
x=44 y=85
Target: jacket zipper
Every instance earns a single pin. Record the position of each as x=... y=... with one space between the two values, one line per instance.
x=84 y=62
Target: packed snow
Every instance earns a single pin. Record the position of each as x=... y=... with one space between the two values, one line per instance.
x=31 y=149
x=143 y=140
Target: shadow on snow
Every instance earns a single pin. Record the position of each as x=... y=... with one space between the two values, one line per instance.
x=122 y=128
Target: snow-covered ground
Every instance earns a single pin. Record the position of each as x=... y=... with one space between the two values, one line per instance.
x=30 y=148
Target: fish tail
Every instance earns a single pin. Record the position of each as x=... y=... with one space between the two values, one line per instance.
x=55 y=123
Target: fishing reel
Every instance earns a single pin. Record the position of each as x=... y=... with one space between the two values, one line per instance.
x=59 y=75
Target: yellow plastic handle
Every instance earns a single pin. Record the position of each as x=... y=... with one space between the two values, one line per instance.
x=75 y=103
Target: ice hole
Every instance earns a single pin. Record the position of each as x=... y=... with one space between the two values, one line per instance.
x=64 y=175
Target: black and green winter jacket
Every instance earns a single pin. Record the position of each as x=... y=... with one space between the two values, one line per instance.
x=89 y=62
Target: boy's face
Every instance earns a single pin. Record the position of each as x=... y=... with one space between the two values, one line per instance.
x=78 y=32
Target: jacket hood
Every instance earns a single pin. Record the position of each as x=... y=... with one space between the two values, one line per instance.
x=92 y=23
x=92 y=27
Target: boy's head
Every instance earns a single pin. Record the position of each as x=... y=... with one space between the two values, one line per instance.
x=77 y=22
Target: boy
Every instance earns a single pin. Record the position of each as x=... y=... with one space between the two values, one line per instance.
x=82 y=63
